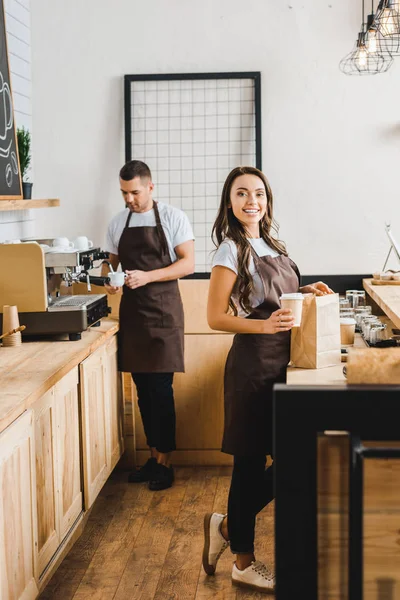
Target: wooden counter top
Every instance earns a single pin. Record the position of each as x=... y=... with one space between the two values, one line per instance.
x=30 y=370
x=387 y=298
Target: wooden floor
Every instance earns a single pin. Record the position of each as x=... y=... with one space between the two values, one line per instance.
x=139 y=544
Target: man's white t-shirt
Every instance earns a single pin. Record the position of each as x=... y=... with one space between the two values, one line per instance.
x=226 y=256
x=175 y=223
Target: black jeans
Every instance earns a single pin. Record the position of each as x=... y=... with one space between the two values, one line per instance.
x=251 y=490
x=157 y=408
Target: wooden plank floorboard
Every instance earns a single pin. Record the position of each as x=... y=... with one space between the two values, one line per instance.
x=143 y=545
x=146 y=561
x=180 y=573
x=104 y=573
x=66 y=580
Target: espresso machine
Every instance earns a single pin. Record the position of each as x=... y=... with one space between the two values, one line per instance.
x=38 y=279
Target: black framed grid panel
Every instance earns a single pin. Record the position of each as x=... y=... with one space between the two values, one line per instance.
x=192 y=129
x=301 y=413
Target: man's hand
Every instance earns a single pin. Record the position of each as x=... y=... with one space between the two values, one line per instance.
x=111 y=289
x=137 y=279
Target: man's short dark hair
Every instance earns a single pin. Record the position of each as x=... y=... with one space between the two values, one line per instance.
x=135 y=168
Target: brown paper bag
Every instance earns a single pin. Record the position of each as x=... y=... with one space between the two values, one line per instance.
x=316 y=343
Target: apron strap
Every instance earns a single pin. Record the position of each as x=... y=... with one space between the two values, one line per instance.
x=257 y=261
x=159 y=227
x=128 y=220
x=160 y=230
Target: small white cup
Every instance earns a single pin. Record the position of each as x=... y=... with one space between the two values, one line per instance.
x=295 y=303
x=117 y=278
x=82 y=243
x=62 y=242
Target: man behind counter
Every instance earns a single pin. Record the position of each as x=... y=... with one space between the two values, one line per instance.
x=154 y=243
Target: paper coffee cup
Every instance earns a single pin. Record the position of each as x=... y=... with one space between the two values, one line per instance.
x=117 y=279
x=347 y=330
x=10 y=318
x=295 y=303
x=10 y=322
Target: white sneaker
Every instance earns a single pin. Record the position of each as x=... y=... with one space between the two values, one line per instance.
x=214 y=541
x=257 y=577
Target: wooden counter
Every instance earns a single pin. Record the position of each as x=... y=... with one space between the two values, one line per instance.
x=380 y=487
x=61 y=435
x=387 y=298
x=30 y=370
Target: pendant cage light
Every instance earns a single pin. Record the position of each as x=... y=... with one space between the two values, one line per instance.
x=365 y=58
x=386 y=45
x=387 y=18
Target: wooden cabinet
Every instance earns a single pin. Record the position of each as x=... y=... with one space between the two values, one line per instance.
x=69 y=481
x=54 y=457
x=95 y=417
x=114 y=398
x=46 y=482
x=199 y=403
x=58 y=477
x=18 y=525
x=101 y=398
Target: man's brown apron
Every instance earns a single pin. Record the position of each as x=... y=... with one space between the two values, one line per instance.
x=151 y=317
x=255 y=362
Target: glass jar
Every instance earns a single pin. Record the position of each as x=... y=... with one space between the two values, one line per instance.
x=366 y=325
x=344 y=303
x=359 y=313
x=356 y=297
x=377 y=333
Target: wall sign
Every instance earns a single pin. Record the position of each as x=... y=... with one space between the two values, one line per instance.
x=10 y=179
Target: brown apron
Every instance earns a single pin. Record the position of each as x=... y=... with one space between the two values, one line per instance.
x=255 y=362
x=150 y=337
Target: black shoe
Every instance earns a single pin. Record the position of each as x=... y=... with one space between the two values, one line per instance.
x=162 y=478
x=145 y=473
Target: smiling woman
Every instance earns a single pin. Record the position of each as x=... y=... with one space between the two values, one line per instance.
x=251 y=270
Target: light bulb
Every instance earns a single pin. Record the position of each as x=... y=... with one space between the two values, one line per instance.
x=362 y=57
x=371 y=43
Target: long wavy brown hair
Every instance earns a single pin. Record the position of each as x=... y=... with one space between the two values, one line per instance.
x=227 y=226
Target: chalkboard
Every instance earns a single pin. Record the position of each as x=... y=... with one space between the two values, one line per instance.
x=10 y=178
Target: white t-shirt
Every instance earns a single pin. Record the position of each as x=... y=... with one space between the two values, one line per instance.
x=175 y=223
x=226 y=256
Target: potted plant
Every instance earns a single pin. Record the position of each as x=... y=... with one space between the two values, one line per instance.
x=24 y=151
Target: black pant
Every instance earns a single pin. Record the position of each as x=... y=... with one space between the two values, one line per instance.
x=157 y=408
x=251 y=490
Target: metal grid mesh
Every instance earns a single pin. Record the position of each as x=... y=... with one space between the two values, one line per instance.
x=191 y=133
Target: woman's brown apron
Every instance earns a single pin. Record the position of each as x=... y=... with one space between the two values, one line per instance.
x=150 y=337
x=255 y=362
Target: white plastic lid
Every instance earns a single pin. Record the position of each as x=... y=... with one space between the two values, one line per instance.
x=293 y=296
x=347 y=321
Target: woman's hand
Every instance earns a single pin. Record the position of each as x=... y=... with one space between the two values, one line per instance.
x=319 y=289
x=280 y=320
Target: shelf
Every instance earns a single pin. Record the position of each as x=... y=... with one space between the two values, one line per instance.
x=25 y=204
x=387 y=298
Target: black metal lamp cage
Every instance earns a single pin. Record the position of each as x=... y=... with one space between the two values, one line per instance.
x=377 y=26
x=371 y=54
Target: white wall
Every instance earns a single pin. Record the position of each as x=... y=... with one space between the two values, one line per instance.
x=17 y=224
x=330 y=142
